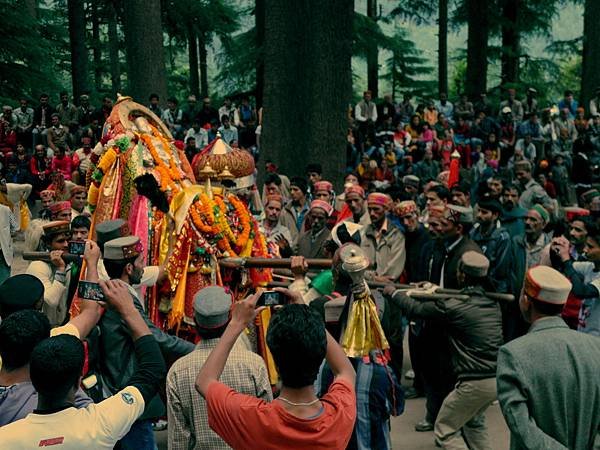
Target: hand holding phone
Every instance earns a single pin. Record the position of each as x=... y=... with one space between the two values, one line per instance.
x=77 y=247
x=90 y=291
x=270 y=298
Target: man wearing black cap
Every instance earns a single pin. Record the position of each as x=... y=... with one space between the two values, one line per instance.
x=244 y=371
x=494 y=242
x=294 y=212
x=30 y=294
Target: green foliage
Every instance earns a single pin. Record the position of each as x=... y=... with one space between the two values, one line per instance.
x=405 y=68
x=32 y=53
x=237 y=63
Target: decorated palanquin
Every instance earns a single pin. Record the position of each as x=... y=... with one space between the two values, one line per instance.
x=186 y=216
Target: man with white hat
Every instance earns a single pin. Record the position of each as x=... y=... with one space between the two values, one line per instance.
x=475 y=331
x=548 y=379
x=244 y=371
x=124 y=260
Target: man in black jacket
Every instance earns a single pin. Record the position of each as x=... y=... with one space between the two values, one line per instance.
x=449 y=226
x=475 y=330
x=124 y=260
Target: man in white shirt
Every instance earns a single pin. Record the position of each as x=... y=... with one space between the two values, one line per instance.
x=229 y=133
x=55 y=368
x=198 y=133
x=365 y=114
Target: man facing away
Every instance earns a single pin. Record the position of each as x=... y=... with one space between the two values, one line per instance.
x=548 y=379
x=298 y=342
x=244 y=371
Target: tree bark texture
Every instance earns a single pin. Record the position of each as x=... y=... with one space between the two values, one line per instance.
x=203 y=65
x=308 y=84
x=443 y=46
x=373 y=55
x=113 y=47
x=79 y=66
x=259 y=17
x=193 y=61
x=511 y=47
x=590 y=79
x=146 y=72
x=96 y=46
x=477 y=47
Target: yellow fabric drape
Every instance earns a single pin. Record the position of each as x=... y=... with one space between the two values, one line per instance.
x=363 y=332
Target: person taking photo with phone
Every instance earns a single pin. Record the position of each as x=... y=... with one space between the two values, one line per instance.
x=297 y=418
x=124 y=260
x=244 y=371
x=55 y=368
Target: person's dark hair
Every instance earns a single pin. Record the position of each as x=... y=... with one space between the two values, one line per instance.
x=172 y=100
x=300 y=183
x=56 y=365
x=272 y=178
x=213 y=333
x=462 y=186
x=189 y=138
x=20 y=332
x=511 y=187
x=81 y=222
x=223 y=117
x=114 y=269
x=63 y=93
x=297 y=340
x=314 y=167
x=593 y=231
x=441 y=191
x=153 y=96
x=545 y=308
x=44 y=95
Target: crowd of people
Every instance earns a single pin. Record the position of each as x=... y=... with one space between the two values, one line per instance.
x=495 y=205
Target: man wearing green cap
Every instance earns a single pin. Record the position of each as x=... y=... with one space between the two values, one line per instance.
x=527 y=251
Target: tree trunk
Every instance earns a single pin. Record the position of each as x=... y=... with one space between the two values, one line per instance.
x=510 y=42
x=259 y=17
x=96 y=46
x=308 y=84
x=443 y=46
x=146 y=72
x=193 y=61
x=477 y=47
x=79 y=67
x=590 y=78
x=203 y=65
x=113 y=47
x=373 y=54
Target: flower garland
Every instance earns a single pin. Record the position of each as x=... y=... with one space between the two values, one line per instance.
x=245 y=220
x=168 y=176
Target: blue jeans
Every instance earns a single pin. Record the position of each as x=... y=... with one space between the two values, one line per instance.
x=139 y=437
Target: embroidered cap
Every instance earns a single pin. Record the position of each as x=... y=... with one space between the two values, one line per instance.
x=321 y=205
x=110 y=229
x=47 y=194
x=379 y=199
x=123 y=248
x=406 y=207
x=355 y=189
x=57 y=227
x=58 y=207
x=323 y=186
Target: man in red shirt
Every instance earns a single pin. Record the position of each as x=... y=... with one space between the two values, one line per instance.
x=297 y=419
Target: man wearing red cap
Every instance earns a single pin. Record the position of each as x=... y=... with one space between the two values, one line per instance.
x=310 y=243
x=323 y=190
x=548 y=379
x=355 y=200
x=61 y=211
x=383 y=242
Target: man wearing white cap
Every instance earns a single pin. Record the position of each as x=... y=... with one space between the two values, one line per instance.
x=548 y=384
x=310 y=243
x=475 y=330
x=244 y=371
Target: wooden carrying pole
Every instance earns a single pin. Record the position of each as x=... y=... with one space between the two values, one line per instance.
x=45 y=256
